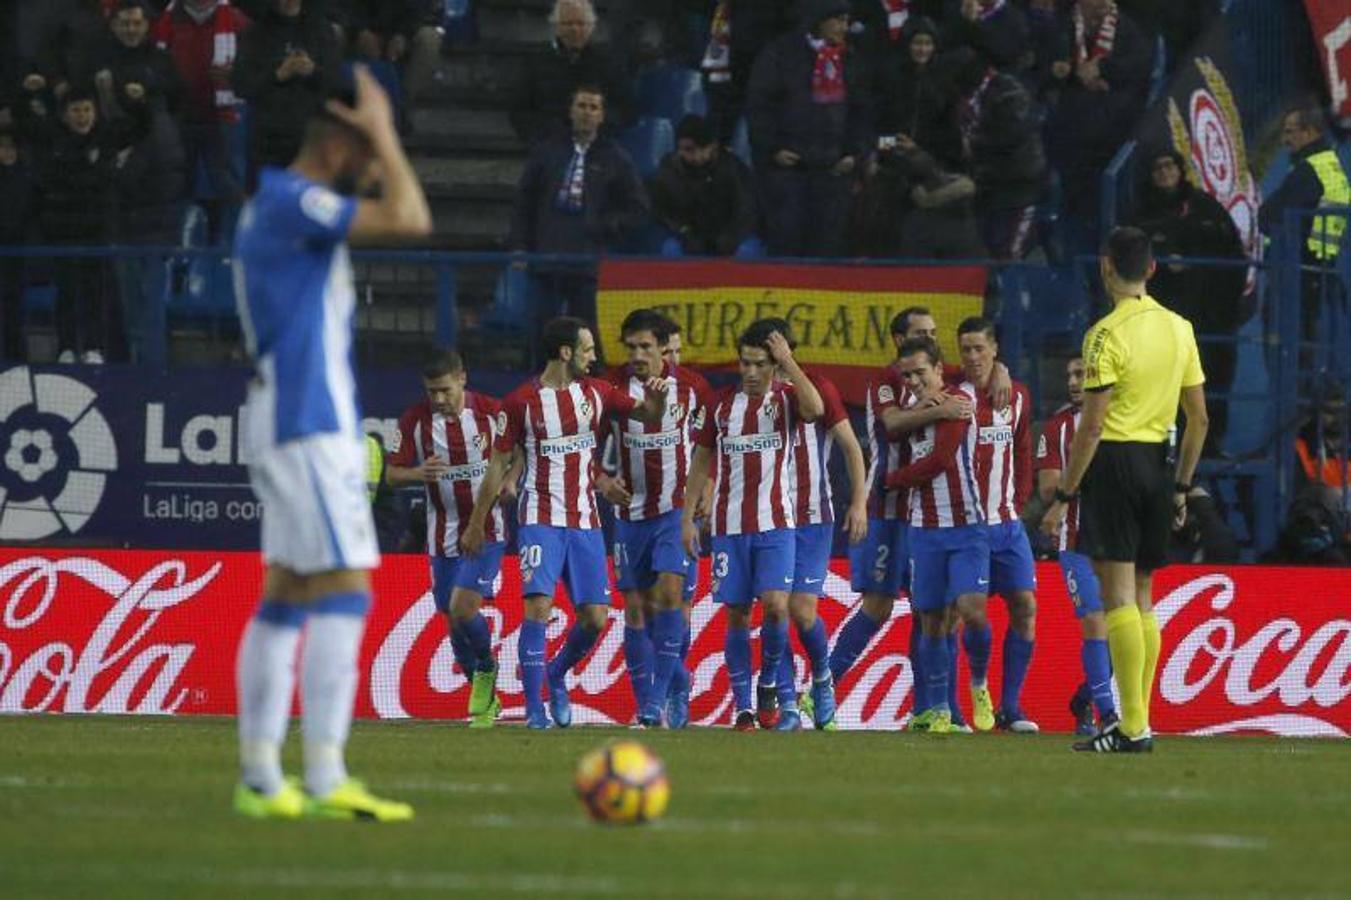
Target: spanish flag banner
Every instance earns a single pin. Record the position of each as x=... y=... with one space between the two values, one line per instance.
x=839 y=315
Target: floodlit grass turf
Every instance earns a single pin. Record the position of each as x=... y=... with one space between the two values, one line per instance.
x=136 y=807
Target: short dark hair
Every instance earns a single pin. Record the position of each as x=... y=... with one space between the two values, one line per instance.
x=782 y=327
x=1309 y=115
x=1129 y=250
x=647 y=320
x=926 y=345
x=695 y=127
x=443 y=362
x=672 y=326
x=124 y=5
x=587 y=87
x=901 y=323
x=977 y=324
x=80 y=93
x=323 y=125
x=560 y=332
x=758 y=332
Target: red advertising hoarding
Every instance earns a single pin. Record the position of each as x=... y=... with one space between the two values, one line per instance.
x=1331 y=23
x=1245 y=649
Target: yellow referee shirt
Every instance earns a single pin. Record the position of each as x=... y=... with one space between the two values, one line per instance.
x=1146 y=354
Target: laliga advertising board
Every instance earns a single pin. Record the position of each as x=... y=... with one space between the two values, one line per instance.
x=1245 y=649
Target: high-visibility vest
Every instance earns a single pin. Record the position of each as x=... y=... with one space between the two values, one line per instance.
x=1325 y=237
x=375 y=466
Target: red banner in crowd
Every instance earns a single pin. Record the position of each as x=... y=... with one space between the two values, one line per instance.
x=840 y=315
x=1245 y=649
x=1331 y=22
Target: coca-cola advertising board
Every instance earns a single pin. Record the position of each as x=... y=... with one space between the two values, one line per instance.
x=1331 y=24
x=1245 y=649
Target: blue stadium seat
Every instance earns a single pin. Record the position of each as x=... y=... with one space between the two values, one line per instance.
x=512 y=307
x=647 y=142
x=667 y=92
x=741 y=141
x=201 y=287
x=39 y=298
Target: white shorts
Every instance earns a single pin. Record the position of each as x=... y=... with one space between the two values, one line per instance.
x=316 y=513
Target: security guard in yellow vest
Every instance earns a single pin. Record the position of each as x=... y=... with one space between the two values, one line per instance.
x=1316 y=179
x=1315 y=182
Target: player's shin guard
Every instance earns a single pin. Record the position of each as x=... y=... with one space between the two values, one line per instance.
x=328 y=686
x=1126 y=642
x=579 y=643
x=738 y=652
x=817 y=645
x=1098 y=675
x=773 y=646
x=638 y=659
x=1149 y=630
x=853 y=639
x=266 y=678
x=976 y=642
x=934 y=651
x=531 y=647
x=479 y=635
x=669 y=627
x=1017 y=660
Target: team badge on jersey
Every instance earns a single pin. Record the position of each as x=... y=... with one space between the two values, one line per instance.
x=585 y=409
x=502 y=422
x=481 y=441
x=397 y=441
x=677 y=410
x=886 y=394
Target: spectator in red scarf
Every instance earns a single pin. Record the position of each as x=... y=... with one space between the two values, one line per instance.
x=202 y=37
x=810 y=109
x=1106 y=85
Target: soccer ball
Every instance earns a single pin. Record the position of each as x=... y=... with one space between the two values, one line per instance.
x=622 y=783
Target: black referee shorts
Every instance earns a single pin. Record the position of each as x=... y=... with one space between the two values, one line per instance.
x=1126 y=505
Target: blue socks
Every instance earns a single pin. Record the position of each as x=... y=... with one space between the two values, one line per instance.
x=680 y=676
x=1097 y=661
x=477 y=635
x=977 y=642
x=531 y=647
x=852 y=641
x=934 y=651
x=738 y=653
x=922 y=701
x=817 y=645
x=669 y=628
x=1017 y=660
x=638 y=659
x=580 y=641
x=954 y=706
x=773 y=646
x=786 y=684
x=464 y=654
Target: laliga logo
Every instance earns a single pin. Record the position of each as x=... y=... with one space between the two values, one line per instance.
x=45 y=420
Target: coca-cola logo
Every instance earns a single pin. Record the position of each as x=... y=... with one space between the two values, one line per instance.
x=117 y=667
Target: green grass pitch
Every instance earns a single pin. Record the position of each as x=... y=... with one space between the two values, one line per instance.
x=135 y=807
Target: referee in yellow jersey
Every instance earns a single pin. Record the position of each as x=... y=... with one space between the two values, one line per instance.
x=1141 y=363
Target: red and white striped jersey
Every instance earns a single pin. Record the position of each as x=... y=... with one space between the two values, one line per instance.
x=559 y=430
x=654 y=457
x=810 y=462
x=1004 y=454
x=885 y=454
x=750 y=438
x=942 y=474
x=465 y=442
x=1053 y=453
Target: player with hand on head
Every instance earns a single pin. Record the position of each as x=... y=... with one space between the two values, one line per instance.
x=651 y=566
x=949 y=543
x=555 y=420
x=814 y=517
x=297 y=305
x=1053 y=452
x=1004 y=474
x=880 y=563
x=444 y=444
x=750 y=429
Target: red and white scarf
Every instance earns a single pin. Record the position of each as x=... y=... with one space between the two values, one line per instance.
x=717 y=63
x=226 y=24
x=828 y=73
x=969 y=114
x=990 y=10
x=898 y=13
x=1100 y=47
